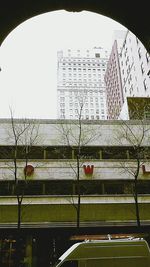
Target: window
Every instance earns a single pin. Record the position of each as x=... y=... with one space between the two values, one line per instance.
x=145 y=84
x=147 y=57
x=142 y=67
x=97 y=55
x=139 y=52
x=62 y=99
x=62 y=105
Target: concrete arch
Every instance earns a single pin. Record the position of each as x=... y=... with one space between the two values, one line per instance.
x=132 y=14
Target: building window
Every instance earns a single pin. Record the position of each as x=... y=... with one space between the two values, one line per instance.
x=147 y=57
x=62 y=105
x=139 y=52
x=145 y=84
x=142 y=67
x=62 y=99
x=62 y=111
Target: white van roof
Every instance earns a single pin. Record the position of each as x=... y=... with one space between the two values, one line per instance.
x=79 y=249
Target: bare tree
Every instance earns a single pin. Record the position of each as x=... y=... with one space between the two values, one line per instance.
x=76 y=134
x=135 y=135
x=23 y=134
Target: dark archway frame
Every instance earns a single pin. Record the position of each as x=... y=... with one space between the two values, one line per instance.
x=132 y=14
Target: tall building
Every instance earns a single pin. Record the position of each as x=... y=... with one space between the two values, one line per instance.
x=113 y=82
x=134 y=62
x=135 y=67
x=80 y=84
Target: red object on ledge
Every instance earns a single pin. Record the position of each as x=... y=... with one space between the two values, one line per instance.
x=144 y=170
x=88 y=169
x=28 y=170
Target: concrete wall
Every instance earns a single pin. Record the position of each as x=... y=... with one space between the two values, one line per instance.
x=60 y=211
x=61 y=169
x=99 y=133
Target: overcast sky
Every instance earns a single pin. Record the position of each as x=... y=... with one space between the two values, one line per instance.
x=28 y=58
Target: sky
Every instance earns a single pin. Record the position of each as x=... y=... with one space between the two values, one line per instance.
x=28 y=58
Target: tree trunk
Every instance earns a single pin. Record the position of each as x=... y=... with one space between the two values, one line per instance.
x=19 y=214
x=136 y=203
x=18 y=236
x=78 y=192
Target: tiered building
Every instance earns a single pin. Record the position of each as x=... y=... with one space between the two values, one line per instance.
x=47 y=181
x=80 y=84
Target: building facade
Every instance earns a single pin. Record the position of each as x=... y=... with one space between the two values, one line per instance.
x=47 y=178
x=134 y=61
x=114 y=93
x=80 y=84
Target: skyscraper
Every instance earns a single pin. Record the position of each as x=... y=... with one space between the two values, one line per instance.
x=80 y=84
x=127 y=75
x=113 y=82
x=135 y=67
